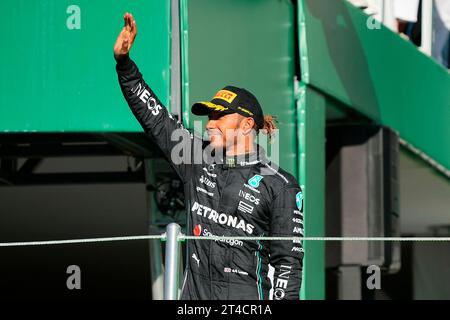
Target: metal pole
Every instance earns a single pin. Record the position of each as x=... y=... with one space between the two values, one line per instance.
x=172 y=260
x=175 y=78
x=156 y=259
x=156 y=269
x=427 y=26
x=180 y=270
x=389 y=16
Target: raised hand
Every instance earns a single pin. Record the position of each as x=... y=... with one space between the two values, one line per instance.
x=126 y=37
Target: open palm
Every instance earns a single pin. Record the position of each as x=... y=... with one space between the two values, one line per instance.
x=126 y=37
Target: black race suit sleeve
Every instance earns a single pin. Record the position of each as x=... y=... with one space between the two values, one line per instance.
x=286 y=220
x=169 y=134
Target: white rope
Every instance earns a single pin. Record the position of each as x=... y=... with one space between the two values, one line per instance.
x=71 y=241
x=420 y=239
x=218 y=238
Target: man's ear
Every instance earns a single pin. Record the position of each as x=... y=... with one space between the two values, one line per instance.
x=247 y=125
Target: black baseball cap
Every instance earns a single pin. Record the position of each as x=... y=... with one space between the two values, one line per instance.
x=232 y=100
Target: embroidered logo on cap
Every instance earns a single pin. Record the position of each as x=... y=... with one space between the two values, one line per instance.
x=226 y=95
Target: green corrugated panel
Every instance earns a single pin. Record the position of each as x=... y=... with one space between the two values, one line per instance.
x=377 y=73
x=54 y=79
x=248 y=44
x=311 y=125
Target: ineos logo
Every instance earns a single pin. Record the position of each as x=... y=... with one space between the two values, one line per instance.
x=249 y=197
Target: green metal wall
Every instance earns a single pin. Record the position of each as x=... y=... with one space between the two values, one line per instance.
x=311 y=112
x=58 y=80
x=248 y=44
x=377 y=73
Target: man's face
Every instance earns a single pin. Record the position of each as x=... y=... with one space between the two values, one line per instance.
x=223 y=129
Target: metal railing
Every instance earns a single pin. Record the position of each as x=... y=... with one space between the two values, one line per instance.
x=171 y=275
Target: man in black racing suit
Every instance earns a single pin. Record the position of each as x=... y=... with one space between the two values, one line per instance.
x=231 y=195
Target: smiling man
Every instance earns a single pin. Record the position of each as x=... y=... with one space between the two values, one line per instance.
x=232 y=191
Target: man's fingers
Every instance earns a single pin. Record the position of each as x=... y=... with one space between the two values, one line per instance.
x=134 y=27
x=127 y=35
x=127 y=21
x=132 y=24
